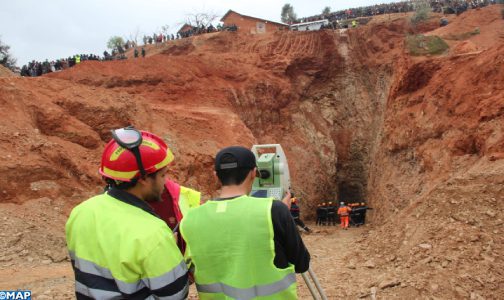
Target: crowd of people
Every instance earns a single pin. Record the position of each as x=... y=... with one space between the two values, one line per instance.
x=441 y=6
x=346 y=214
x=157 y=38
x=190 y=31
x=329 y=214
x=205 y=29
x=458 y=6
x=336 y=20
x=36 y=68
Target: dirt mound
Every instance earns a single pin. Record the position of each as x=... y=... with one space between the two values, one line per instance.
x=419 y=138
x=4 y=72
x=483 y=27
x=465 y=47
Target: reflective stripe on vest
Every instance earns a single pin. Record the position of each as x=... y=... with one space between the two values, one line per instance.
x=95 y=293
x=130 y=288
x=231 y=244
x=102 y=294
x=248 y=293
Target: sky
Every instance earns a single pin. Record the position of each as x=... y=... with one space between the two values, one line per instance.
x=52 y=29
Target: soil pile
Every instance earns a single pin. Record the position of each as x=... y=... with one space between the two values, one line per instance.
x=4 y=72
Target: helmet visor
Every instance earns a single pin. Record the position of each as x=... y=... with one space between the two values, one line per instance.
x=127 y=137
x=131 y=139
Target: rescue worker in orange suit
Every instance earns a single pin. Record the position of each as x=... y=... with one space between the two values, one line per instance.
x=295 y=213
x=344 y=212
x=176 y=201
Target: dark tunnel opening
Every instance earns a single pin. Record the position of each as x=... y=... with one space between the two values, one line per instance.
x=350 y=192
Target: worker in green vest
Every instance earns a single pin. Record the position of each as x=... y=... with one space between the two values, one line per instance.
x=243 y=247
x=77 y=59
x=119 y=248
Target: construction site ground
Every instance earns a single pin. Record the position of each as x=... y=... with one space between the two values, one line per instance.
x=329 y=247
x=420 y=138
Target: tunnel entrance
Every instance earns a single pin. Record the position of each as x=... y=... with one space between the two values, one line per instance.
x=350 y=191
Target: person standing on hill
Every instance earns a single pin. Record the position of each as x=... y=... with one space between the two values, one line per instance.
x=143 y=52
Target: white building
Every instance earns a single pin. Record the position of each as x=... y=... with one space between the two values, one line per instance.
x=314 y=25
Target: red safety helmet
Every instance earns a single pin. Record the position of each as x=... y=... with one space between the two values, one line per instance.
x=119 y=163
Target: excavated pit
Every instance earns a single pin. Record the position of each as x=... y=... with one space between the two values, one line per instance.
x=417 y=138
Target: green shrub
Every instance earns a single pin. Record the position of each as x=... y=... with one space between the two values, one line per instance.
x=425 y=45
x=422 y=11
x=462 y=36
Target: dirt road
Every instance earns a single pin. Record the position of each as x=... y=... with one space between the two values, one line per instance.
x=328 y=247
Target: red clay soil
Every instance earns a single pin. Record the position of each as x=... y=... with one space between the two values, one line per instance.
x=4 y=72
x=420 y=138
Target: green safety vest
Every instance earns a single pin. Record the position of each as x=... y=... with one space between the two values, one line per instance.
x=77 y=59
x=188 y=198
x=230 y=243
x=112 y=240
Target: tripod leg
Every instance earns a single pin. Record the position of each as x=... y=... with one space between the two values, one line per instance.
x=309 y=285
x=317 y=284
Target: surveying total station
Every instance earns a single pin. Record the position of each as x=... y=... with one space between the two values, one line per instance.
x=274 y=179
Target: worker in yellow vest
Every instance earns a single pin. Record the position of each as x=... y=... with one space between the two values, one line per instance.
x=118 y=246
x=243 y=247
x=77 y=59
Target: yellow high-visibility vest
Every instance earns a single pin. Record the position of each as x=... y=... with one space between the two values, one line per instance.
x=231 y=245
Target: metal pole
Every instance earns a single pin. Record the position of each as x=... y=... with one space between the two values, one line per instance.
x=310 y=286
x=317 y=284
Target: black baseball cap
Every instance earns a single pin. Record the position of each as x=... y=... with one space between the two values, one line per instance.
x=236 y=157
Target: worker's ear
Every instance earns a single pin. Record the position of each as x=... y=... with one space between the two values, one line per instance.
x=257 y=173
x=143 y=181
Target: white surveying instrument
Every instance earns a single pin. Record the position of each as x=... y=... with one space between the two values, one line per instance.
x=274 y=179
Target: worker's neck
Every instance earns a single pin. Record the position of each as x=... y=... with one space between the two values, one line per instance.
x=135 y=191
x=231 y=191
